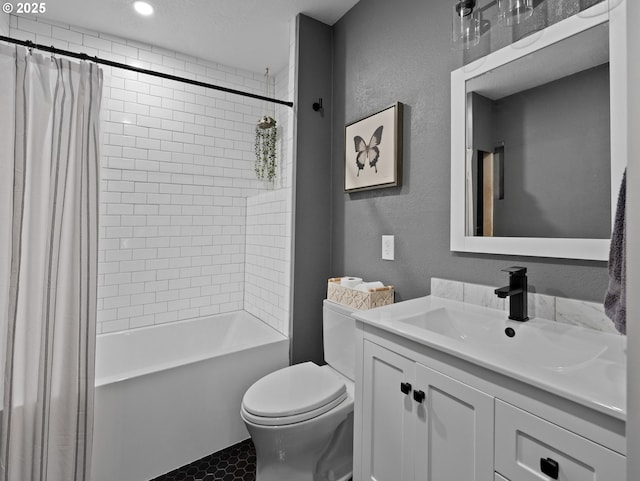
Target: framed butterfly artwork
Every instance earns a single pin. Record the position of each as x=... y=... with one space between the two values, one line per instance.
x=373 y=151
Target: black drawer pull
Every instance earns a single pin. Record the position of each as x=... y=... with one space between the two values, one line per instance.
x=549 y=467
x=405 y=387
x=418 y=396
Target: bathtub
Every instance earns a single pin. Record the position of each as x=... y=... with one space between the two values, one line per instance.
x=170 y=394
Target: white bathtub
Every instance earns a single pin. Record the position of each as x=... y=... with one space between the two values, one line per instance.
x=170 y=394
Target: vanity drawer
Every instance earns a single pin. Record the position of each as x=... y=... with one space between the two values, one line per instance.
x=527 y=447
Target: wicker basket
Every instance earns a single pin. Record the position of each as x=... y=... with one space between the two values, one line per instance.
x=358 y=299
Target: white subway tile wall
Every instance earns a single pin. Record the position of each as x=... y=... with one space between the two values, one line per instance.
x=267 y=269
x=177 y=170
x=268 y=235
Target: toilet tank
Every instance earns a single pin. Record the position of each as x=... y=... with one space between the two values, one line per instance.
x=339 y=337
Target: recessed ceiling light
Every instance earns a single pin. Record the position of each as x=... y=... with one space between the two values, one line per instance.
x=143 y=8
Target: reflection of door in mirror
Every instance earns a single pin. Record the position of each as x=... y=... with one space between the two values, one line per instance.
x=538 y=145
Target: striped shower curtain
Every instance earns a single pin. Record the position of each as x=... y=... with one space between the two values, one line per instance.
x=49 y=128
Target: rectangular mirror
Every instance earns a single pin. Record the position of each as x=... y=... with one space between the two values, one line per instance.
x=535 y=145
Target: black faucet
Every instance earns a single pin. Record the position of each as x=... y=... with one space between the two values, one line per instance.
x=517 y=291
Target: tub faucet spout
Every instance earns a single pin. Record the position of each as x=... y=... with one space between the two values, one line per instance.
x=516 y=291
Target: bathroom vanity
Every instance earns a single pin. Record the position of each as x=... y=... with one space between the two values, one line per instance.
x=452 y=391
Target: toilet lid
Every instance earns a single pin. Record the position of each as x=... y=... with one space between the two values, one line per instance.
x=293 y=391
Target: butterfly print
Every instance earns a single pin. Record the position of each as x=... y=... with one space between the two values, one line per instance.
x=368 y=152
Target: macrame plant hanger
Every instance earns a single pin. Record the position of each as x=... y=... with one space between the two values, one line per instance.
x=266 y=135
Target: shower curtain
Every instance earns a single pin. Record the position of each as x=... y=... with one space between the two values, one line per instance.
x=49 y=139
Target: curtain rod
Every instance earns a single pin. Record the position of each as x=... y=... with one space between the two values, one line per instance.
x=84 y=56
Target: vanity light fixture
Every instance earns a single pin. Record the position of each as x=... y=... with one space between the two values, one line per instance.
x=465 y=25
x=513 y=12
x=466 y=19
x=143 y=8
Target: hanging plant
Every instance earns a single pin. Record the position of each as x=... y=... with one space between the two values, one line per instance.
x=266 y=134
x=265 y=149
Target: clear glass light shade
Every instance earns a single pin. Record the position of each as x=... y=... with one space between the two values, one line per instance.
x=513 y=12
x=465 y=31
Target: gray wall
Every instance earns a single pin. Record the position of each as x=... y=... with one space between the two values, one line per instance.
x=555 y=135
x=400 y=51
x=312 y=228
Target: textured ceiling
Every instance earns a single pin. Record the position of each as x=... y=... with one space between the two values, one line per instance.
x=248 y=34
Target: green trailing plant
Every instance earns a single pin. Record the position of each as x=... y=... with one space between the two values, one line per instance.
x=265 y=149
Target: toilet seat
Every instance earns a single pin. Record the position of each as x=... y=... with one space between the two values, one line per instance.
x=293 y=395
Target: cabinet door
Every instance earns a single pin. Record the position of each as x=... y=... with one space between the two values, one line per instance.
x=387 y=416
x=454 y=430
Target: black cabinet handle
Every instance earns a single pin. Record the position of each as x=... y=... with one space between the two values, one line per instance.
x=419 y=396
x=549 y=467
x=405 y=387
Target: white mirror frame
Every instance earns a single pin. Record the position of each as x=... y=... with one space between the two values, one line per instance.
x=592 y=249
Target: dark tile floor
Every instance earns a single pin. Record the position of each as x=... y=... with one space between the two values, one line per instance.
x=235 y=463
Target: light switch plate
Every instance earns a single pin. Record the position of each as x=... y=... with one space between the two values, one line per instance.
x=388 y=247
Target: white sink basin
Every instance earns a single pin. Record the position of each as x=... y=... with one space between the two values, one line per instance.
x=543 y=343
x=449 y=323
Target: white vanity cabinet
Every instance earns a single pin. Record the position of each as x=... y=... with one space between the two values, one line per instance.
x=419 y=424
x=426 y=415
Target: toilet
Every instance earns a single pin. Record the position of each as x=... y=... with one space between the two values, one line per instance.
x=300 y=418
